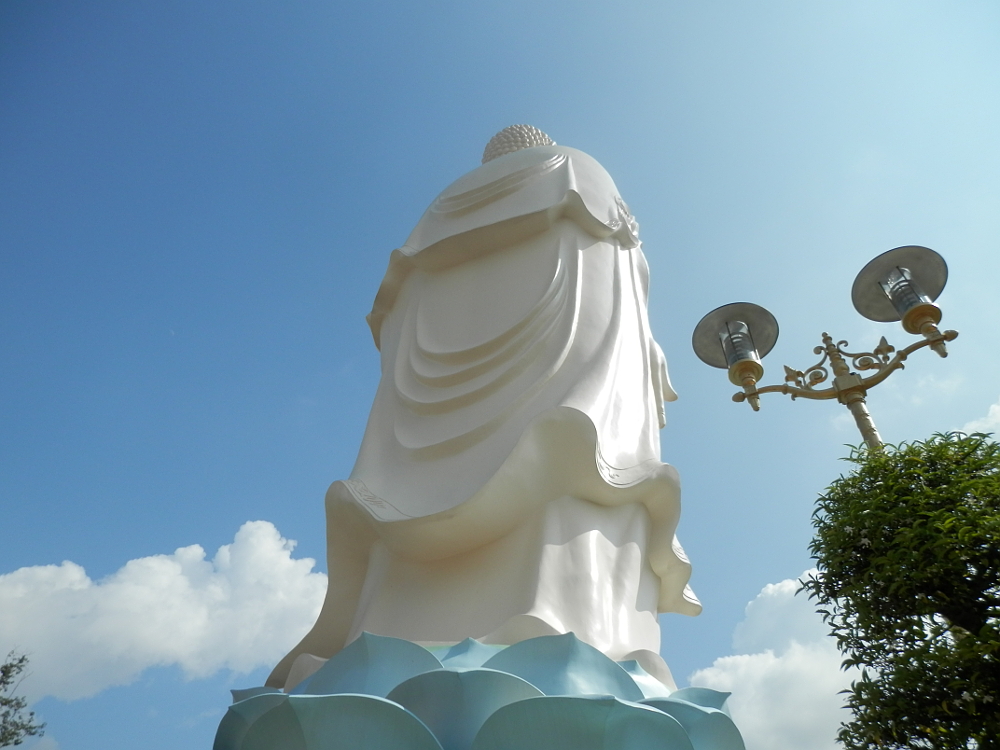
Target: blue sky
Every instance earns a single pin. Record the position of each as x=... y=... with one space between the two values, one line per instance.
x=197 y=204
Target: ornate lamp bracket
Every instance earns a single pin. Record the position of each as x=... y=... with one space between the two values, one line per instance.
x=848 y=387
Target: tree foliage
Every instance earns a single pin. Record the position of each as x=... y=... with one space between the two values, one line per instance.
x=908 y=553
x=15 y=724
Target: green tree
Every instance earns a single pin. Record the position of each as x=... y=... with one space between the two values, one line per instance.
x=908 y=553
x=15 y=724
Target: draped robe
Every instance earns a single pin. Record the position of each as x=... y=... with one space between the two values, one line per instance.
x=509 y=482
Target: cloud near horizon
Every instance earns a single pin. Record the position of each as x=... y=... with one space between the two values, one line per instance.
x=243 y=609
x=989 y=423
x=785 y=674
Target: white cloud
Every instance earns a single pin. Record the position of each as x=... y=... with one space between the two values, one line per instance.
x=785 y=674
x=44 y=743
x=777 y=617
x=989 y=423
x=241 y=610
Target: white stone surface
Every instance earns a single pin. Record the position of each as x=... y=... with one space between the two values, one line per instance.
x=509 y=483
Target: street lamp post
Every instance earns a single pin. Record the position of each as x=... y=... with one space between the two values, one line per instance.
x=901 y=284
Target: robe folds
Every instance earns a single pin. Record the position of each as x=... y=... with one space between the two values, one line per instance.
x=509 y=482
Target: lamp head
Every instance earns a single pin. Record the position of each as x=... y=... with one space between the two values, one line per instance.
x=735 y=337
x=901 y=284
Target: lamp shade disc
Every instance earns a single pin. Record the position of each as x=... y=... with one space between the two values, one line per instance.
x=707 y=345
x=927 y=268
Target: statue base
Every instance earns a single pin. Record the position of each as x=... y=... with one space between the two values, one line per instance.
x=545 y=693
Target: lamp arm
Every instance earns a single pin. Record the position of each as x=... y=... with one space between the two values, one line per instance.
x=896 y=363
x=792 y=391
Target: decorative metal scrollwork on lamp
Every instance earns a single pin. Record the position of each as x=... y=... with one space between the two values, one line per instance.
x=901 y=284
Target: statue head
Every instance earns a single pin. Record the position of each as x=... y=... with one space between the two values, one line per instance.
x=514 y=138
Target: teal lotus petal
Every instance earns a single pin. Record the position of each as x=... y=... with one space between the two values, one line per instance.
x=371 y=665
x=275 y=728
x=565 y=665
x=455 y=703
x=468 y=654
x=708 y=728
x=356 y=722
x=649 y=685
x=702 y=697
x=242 y=695
x=571 y=723
x=234 y=725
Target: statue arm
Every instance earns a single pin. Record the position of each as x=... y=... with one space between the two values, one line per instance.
x=662 y=389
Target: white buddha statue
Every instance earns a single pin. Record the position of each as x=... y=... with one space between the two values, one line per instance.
x=509 y=483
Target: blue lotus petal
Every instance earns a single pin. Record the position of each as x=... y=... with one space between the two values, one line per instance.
x=468 y=654
x=570 y=723
x=703 y=697
x=275 y=728
x=455 y=703
x=356 y=722
x=649 y=685
x=565 y=665
x=242 y=695
x=708 y=728
x=371 y=665
x=234 y=725
x=553 y=693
